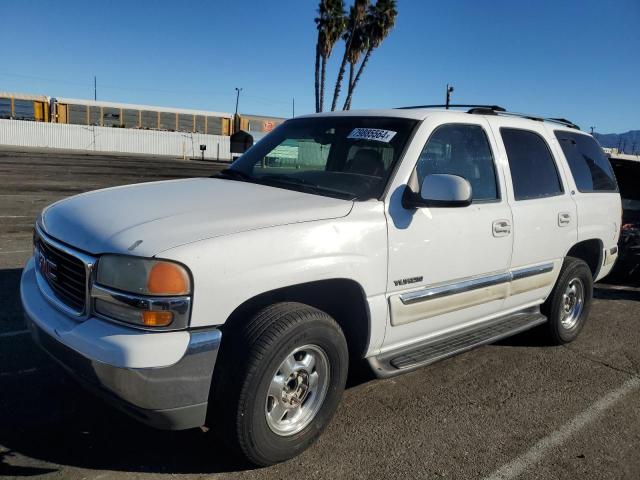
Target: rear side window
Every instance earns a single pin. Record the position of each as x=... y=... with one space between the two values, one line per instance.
x=533 y=170
x=463 y=150
x=590 y=168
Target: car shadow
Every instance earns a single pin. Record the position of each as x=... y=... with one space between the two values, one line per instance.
x=46 y=416
x=616 y=292
x=7 y=470
x=50 y=418
x=10 y=308
x=534 y=337
x=53 y=419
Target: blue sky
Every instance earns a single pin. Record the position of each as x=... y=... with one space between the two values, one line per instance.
x=575 y=59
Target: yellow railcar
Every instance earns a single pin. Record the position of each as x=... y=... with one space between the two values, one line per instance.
x=17 y=106
x=257 y=125
x=124 y=115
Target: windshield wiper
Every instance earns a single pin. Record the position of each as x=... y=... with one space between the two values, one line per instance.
x=305 y=185
x=233 y=174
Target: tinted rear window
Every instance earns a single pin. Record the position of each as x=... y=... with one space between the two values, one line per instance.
x=590 y=168
x=533 y=169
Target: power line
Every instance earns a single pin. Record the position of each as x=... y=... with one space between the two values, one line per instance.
x=142 y=89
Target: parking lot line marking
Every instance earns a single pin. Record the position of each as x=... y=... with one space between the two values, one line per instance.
x=15 y=251
x=13 y=334
x=14 y=216
x=536 y=453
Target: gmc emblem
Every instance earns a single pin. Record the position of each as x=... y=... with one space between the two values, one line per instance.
x=47 y=268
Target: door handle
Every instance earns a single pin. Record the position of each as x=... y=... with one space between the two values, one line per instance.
x=501 y=228
x=564 y=219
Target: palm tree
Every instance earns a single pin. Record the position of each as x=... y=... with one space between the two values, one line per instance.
x=331 y=24
x=355 y=22
x=359 y=44
x=381 y=18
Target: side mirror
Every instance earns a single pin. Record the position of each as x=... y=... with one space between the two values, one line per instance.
x=440 y=190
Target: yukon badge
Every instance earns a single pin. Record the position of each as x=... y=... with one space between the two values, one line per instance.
x=407 y=281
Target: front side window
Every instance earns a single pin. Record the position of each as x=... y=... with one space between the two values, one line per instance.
x=591 y=170
x=345 y=157
x=533 y=169
x=462 y=150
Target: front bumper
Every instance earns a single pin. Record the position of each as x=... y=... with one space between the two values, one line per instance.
x=107 y=359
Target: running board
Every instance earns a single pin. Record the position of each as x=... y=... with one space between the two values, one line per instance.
x=409 y=358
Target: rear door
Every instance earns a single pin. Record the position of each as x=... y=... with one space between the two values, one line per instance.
x=544 y=214
x=594 y=190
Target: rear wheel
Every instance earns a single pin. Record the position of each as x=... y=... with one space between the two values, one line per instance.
x=567 y=308
x=278 y=382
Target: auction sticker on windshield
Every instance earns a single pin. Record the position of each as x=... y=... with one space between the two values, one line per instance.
x=372 y=134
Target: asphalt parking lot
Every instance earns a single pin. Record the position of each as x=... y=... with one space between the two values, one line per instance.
x=518 y=409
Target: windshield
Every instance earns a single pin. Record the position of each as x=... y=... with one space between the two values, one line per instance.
x=344 y=157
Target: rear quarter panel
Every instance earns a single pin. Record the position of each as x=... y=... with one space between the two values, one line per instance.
x=599 y=213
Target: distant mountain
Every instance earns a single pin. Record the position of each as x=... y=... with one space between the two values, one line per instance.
x=626 y=142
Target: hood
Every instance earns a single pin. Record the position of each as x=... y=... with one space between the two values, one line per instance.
x=148 y=218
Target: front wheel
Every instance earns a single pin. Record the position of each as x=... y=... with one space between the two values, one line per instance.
x=282 y=376
x=567 y=308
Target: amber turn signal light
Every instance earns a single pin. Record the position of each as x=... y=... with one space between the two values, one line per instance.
x=160 y=318
x=167 y=279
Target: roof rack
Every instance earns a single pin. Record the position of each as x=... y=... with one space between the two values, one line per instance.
x=497 y=110
x=560 y=121
x=494 y=108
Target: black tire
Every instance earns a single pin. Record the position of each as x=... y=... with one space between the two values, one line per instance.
x=251 y=355
x=557 y=333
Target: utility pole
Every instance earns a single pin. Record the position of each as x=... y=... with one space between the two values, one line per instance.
x=449 y=92
x=293 y=107
x=238 y=90
x=95 y=88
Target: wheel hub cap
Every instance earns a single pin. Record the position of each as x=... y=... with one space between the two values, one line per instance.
x=297 y=390
x=572 y=303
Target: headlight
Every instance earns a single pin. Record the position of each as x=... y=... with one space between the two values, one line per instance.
x=141 y=275
x=144 y=292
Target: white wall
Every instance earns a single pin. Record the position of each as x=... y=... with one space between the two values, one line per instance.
x=112 y=140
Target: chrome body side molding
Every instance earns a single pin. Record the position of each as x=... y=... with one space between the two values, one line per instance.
x=430 y=293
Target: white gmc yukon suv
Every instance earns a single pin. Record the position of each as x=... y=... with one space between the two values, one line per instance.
x=400 y=236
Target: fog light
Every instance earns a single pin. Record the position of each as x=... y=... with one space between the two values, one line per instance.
x=160 y=318
x=147 y=318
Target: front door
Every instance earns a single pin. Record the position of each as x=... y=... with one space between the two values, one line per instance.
x=448 y=266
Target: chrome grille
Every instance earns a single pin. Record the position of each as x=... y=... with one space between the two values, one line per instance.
x=64 y=273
